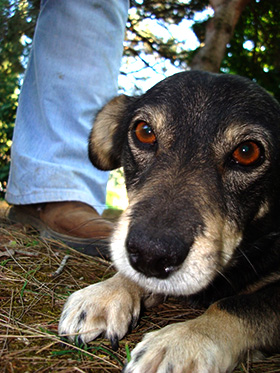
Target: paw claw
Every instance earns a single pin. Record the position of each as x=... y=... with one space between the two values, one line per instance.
x=79 y=341
x=124 y=369
x=133 y=324
x=114 y=342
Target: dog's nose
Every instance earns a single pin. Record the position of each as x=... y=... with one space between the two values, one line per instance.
x=155 y=257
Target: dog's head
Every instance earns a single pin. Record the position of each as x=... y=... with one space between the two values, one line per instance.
x=200 y=154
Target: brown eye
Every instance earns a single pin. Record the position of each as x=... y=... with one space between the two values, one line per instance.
x=247 y=153
x=144 y=133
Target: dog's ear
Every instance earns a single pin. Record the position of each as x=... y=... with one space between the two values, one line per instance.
x=108 y=134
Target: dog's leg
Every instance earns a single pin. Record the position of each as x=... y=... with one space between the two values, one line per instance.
x=214 y=342
x=109 y=307
x=208 y=344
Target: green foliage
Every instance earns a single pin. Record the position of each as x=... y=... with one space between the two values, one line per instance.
x=116 y=191
x=260 y=25
x=166 y=13
x=170 y=11
x=17 y=22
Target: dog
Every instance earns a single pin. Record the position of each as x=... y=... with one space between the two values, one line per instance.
x=201 y=159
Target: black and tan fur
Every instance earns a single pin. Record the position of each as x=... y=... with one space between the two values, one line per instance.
x=199 y=223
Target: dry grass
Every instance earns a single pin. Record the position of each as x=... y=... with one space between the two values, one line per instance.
x=31 y=299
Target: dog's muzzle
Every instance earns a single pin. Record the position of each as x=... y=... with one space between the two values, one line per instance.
x=155 y=256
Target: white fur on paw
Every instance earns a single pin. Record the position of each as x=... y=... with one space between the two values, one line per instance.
x=181 y=348
x=106 y=307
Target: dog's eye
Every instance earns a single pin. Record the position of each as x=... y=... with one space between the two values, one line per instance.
x=144 y=133
x=247 y=153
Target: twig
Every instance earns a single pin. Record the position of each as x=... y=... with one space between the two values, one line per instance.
x=79 y=370
x=61 y=267
x=10 y=313
x=28 y=253
x=12 y=252
x=8 y=252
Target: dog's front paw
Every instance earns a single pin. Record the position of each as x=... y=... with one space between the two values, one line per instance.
x=108 y=307
x=194 y=346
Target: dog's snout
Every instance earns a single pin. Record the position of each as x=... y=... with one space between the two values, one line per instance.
x=151 y=267
x=155 y=256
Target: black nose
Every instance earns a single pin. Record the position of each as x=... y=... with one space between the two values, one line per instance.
x=155 y=256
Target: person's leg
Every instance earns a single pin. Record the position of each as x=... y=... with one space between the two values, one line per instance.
x=72 y=73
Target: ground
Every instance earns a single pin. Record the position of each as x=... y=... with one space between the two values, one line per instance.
x=32 y=294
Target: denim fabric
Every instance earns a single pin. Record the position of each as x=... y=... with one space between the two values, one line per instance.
x=72 y=72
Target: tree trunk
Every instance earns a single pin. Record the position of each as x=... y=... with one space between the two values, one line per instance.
x=219 y=31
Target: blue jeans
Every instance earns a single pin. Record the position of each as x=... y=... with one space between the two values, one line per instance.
x=72 y=72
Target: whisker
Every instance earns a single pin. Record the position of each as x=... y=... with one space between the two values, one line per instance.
x=248 y=260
